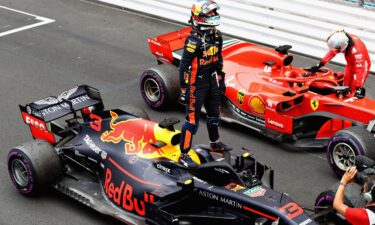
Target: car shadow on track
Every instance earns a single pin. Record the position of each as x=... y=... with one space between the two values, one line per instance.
x=84 y=212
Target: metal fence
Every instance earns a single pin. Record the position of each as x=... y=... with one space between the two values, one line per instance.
x=301 y=23
x=369 y=4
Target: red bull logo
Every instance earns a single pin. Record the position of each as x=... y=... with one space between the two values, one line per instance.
x=123 y=196
x=138 y=134
x=205 y=62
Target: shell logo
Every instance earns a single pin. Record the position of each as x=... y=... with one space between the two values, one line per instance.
x=256 y=104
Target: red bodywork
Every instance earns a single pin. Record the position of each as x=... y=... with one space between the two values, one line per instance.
x=265 y=92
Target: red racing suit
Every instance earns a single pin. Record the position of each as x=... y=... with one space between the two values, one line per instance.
x=201 y=73
x=361 y=216
x=357 y=62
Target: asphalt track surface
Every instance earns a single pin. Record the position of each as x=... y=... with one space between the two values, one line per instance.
x=106 y=47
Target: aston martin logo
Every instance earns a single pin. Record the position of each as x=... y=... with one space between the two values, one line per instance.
x=314 y=104
x=53 y=100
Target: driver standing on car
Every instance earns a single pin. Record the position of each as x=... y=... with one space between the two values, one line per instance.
x=356 y=216
x=357 y=60
x=202 y=77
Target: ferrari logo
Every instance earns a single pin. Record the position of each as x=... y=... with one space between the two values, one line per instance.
x=314 y=104
x=240 y=96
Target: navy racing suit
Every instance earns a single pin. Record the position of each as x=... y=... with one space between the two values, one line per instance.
x=202 y=75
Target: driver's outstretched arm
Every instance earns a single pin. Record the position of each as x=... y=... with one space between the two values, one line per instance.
x=329 y=56
x=338 y=203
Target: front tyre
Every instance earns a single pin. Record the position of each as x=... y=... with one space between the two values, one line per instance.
x=352 y=198
x=159 y=86
x=325 y=201
x=346 y=144
x=33 y=165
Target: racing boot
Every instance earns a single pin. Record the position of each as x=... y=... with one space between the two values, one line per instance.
x=219 y=147
x=187 y=161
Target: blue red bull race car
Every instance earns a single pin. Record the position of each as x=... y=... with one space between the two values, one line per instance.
x=122 y=164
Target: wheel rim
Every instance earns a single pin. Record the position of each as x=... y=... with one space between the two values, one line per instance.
x=20 y=173
x=152 y=90
x=343 y=156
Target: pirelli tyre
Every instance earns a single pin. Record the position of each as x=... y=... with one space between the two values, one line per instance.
x=33 y=166
x=159 y=86
x=346 y=144
x=135 y=110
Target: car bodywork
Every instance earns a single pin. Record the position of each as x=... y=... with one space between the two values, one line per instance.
x=265 y=92
x=289 y=104
x=126 y=167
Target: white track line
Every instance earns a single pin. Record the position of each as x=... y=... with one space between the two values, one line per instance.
x=318 y=156
x=43 y=21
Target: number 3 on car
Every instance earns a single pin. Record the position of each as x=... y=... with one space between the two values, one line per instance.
x=292 y=210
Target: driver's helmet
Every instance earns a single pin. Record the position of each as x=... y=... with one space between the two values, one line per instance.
x=199 y=11
x=338 y=40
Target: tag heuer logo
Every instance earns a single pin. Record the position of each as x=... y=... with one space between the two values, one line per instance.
x=314 y=104
x=256 y=191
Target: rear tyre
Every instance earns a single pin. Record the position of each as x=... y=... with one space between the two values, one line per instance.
x=33 y=166
x=159 y=86
x=346 y=144
x=136 y=111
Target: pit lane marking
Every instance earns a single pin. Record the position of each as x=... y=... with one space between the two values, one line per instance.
x=43 y=21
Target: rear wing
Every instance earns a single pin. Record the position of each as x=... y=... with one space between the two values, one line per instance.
x=164 y=46
x=39 y=114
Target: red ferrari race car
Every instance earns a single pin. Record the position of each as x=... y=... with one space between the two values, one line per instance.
x=267 y=94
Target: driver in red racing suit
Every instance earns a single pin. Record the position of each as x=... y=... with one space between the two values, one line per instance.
x=356 y=56
x=356 y=216
x=202 y=77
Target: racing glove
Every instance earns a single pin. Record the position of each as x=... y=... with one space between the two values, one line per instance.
x=315 y=69
x=221 y=77
x=183 y=96
x=360 y=92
